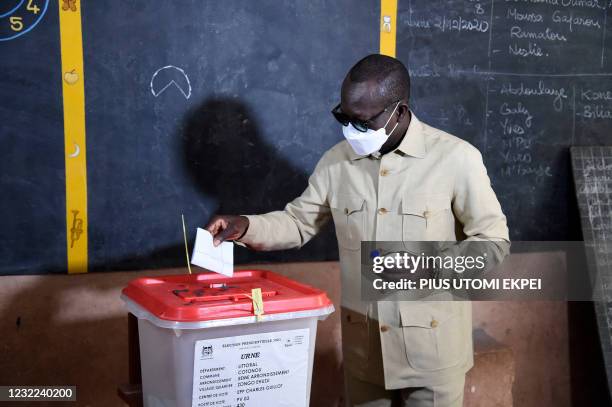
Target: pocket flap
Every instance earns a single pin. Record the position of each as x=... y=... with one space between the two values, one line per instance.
x=426 y=315
x=424 y=206
x=346 y=203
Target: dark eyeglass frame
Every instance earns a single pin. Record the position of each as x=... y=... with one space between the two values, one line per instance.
x=360 y=125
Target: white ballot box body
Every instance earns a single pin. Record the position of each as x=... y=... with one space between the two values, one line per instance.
x=245 y=360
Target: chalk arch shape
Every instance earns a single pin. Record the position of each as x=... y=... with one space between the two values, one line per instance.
x=28 y=18
x=173 y=76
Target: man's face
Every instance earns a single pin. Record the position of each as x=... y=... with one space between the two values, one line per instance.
x=362 y=101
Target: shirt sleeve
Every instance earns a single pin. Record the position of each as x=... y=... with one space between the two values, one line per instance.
x=301 y=219
x=476 y=207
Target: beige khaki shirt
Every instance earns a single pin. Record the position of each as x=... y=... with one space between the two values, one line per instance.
x=433 y=187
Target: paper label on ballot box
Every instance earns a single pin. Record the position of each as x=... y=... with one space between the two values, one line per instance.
x=267 y=369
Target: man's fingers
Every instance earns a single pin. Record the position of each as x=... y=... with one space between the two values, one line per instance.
x=212 y=226
x=216 y=226
x=224 y=235
x=224 y=228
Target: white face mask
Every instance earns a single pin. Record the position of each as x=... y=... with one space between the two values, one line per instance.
x=366 y=143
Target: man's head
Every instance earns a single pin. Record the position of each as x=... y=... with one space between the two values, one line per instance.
x=372 y=89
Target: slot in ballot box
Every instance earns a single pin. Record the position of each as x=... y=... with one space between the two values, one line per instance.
x=202 y=344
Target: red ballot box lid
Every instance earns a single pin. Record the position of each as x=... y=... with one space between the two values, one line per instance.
x=211 y=296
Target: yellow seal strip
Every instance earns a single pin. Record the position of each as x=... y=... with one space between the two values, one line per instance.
x=258 y=306
x=73 y=90
x=388 y=24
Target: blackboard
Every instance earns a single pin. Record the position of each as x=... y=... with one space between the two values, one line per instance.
x=520 y=83
x=247 y=116
x=239 y=131
x=32 y=224
x=592 y=169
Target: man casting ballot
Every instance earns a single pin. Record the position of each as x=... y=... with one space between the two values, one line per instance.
x=394 y=178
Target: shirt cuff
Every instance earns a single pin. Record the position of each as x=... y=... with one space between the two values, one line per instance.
x=250 y=236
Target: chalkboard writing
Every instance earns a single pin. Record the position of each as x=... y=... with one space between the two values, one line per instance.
x=592 y=168
x=18 y=17
x=522 y=80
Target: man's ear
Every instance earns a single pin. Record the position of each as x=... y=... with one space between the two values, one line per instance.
x=402 y=111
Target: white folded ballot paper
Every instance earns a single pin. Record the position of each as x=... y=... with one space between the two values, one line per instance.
x=219 y=259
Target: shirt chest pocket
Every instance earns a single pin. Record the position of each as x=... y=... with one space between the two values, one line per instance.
x=348 y=212
x=426 y=217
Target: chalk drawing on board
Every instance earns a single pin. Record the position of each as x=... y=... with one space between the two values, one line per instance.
x=386 y=27
x=77 y=228
x=77 y=151
x=71 y=77
x=170 y=75
x=22 y=18
x=69 y=5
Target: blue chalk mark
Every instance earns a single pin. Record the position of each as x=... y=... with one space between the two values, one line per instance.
x=374 y=253
x=8 y=13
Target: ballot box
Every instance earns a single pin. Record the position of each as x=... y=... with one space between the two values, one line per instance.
x=210 y=340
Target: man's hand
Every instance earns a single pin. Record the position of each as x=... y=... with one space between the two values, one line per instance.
x=227 y=227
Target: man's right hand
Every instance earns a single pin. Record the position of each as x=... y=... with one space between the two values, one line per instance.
x=227 y=227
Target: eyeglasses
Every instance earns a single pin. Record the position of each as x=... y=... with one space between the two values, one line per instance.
x=360 y=125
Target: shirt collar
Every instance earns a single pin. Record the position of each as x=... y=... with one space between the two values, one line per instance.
x=412 y=144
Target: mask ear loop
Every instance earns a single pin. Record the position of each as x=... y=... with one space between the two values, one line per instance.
x=396 y=124
x=389 y=135
x=389 y=119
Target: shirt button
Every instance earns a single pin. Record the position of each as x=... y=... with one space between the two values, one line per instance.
x=346 y=210
x=433 y=323
x=382 y=211
x=384 y=172
x=384 y=328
